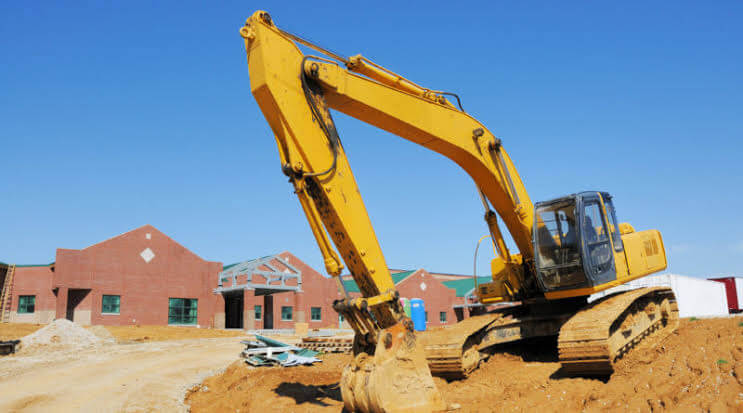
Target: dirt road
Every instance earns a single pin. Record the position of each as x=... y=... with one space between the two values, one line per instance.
x=120 y=377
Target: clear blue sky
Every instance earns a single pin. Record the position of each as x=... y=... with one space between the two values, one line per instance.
x=116 y=116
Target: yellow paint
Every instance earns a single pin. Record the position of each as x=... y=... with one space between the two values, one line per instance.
x=641 y=262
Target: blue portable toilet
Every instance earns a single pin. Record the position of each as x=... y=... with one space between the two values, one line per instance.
x=418 y=314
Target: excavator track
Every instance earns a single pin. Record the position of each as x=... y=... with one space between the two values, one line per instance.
x=594 y=338
x=455 y=351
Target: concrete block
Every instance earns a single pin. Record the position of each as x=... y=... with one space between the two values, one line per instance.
x=219 y=320
x=301 y=329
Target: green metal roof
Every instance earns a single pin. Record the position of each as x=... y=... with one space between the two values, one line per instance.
x=465 y=285
x=351 y=286
x=35 y=265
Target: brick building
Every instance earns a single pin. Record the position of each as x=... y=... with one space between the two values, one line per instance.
x=275 y=292
x=145 y=277
x=439 y=299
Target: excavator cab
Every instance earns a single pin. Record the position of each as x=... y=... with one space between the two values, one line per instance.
x=575 y=239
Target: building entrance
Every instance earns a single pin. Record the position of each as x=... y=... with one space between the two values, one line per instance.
x=233 y=309
x=74 y=297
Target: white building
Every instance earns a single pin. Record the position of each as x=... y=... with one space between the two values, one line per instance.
x=696 y=297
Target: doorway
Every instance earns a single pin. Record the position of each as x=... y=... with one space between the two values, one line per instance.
x=268 y=310
x=233 y=309
x=74 y=298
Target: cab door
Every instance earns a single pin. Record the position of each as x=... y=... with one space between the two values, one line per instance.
x=598 y=257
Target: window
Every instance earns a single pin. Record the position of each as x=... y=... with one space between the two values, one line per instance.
x=182 y=310
x=426 y=316
x=26 y=304
x=558 y=254
x=596 y=238
x=340 y=318
x=613 y=225
x=557 y=243
x=286 y=313
x=593 y=223
x=257 y=312
x=442 y=316
x=316 y=314
x=110 y=304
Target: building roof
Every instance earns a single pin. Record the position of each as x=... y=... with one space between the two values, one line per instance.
x=397 y=277
x=465 y=285
x=27 y=265
x=35 y=265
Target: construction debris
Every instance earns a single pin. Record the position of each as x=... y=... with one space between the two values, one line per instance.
x=8 y=347
x=269 y=352
x=328 y=344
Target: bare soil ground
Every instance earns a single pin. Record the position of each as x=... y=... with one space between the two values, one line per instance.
x=127 y=334
x=140 y=377
x=698 y=368
x=160 y=333
x=13 y=331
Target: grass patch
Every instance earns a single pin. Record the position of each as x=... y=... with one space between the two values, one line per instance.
x=722 y=361
x=693 y=319
x=740 y=324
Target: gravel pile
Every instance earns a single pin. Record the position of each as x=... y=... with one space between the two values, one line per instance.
x=61 y=334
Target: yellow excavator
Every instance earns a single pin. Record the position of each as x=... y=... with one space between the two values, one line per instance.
x=569 y=248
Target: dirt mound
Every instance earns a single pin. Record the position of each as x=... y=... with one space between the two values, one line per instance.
x=264 y=389
x=102 y=333
x=60 y=334
x=697 y=368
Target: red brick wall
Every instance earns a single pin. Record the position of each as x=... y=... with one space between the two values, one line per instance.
x=317 y=291
x=35 y=281
x=115 y=267
x=436 y=296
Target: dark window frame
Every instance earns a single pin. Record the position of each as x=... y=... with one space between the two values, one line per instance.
x=442 y=317
x=258 y=312
x=291 y=313
x=103 y=304
x=312 y=313
x=183 y=312
x=24 y=305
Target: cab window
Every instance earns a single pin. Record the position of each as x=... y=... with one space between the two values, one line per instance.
x=595 y=237
x=611 y=216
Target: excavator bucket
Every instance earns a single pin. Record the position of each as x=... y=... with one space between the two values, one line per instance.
x=395 y=379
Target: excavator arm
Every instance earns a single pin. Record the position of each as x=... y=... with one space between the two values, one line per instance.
x=295 y=91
